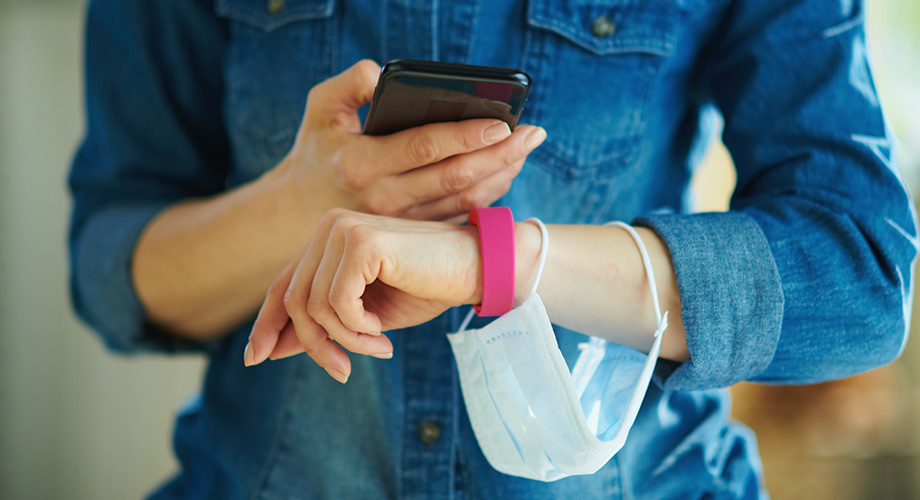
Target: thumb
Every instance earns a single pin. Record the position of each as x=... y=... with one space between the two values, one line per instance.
x=338 y=98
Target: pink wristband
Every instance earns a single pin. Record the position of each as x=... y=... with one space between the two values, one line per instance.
x=496 y=244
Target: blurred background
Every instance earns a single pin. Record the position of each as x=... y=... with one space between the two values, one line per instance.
x=79 y=423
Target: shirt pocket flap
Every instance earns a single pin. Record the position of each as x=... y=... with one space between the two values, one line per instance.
x=609 y=27
x=271 y=14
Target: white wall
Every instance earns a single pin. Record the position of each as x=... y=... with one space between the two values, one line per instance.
x=75 y=422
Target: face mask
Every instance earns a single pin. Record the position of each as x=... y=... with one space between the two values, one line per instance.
x=531 y=416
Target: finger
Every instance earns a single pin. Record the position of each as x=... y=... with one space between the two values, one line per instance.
x=424 y=145
x=343 y=93
x=358 y=268
x=288 y=344
x=271 y=319
x=458 y=173
x=324 y=351
x=313 y=338
x=483 y=194
x=322 y=312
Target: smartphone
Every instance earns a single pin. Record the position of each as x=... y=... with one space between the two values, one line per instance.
x=411 y=93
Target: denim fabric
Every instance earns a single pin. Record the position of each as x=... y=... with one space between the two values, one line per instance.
x=807 y=278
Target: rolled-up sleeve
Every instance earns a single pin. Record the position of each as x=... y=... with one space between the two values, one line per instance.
x=809 y=277
x=154 y=136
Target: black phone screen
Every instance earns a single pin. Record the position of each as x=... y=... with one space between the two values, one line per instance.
x=412 y=93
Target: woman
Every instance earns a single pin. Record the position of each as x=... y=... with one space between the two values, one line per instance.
x=201 y=178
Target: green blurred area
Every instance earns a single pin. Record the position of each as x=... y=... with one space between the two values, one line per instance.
x=893 y=28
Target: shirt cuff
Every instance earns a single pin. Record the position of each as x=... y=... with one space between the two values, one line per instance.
x=102 y=284
x=731 y=297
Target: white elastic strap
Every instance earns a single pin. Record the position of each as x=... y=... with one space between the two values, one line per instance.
x=648 y=271
x=544 y=246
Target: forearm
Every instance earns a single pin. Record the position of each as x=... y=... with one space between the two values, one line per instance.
x=365 y=274
x=202 y=266
x=594 y=282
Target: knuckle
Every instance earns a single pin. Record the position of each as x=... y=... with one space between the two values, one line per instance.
x=360 y=240
x=339 y=215
x=345 y=219
x=312 y=351
x=317 y=309
x=328 y=219
x=273 y=291
x=338 y=212
x=457 y=177
x=292 y=302
x=367 y=68
x=337 y=299
x=314 y=93
x=469 y=200
x=422 y=149
x=350 y=171
x=510 y=156
x=471 y=141
x=258 y=325
x=361 y=343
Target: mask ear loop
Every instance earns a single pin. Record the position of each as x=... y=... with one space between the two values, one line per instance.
x=649 y=273
x=544 y=247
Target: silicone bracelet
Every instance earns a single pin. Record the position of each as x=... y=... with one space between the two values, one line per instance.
x=496 y=245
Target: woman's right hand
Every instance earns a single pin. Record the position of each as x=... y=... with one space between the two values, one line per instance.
x=202 y=265
x=432 y=172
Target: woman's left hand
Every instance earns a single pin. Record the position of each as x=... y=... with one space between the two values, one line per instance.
x=359 y=276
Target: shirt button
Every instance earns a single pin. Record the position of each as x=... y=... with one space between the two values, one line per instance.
x=429 y=432
x=603 y=27
x=275 y=6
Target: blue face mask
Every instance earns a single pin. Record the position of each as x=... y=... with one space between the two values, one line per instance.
x=531 y=416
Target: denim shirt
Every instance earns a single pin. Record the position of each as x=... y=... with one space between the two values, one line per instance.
x=807 y=278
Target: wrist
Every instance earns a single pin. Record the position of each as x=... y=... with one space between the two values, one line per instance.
x=495 y=226
x=527 y=243
x=279 y=185
x=474 y=270
x=300 y=196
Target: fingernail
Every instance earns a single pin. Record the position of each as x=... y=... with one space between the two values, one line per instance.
x=249 y=355
x=339 y=376
x=535 y=138
x=496 y=133
x=383 y=355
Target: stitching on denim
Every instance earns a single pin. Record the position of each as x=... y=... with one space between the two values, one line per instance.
x=843 y=27
x=259 y=18
x=555 y=159
x=659 y=43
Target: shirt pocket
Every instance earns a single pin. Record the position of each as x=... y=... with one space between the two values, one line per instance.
x=594 y=65
x=276 y=51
